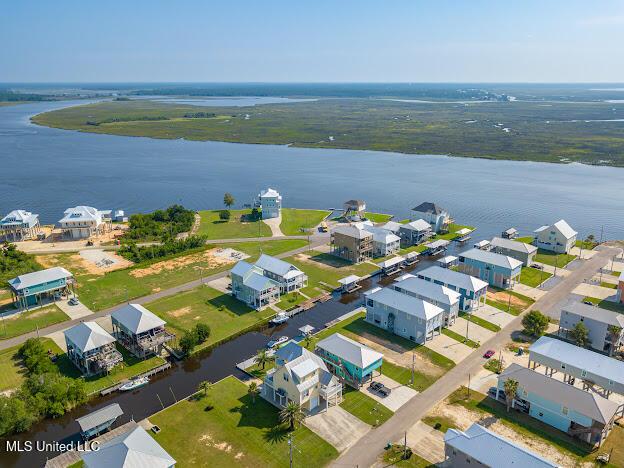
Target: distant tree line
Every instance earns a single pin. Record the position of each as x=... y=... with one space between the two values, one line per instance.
x=14 y=262
x=161 y=224
x=199 y=115
x=170 y=246
x=145 y=118
x=11 y=96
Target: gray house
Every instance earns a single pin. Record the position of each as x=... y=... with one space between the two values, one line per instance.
x=558 y=237
x=415 y=232
x=251 y=286
x=435 y=215
x=606 y=328
x=139 y=330
x=472 y=290
x=289 y=277
x=91 y=348
x=436 y=294
x=478 y=446
x=514 y=249
x=19 y=225
x=403 y=315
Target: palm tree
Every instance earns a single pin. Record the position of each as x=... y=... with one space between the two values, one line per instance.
x=614 y=334
x=292 y=414
x=204 y=386
x=228 y=200
x=510 y=388
x=262 y=358
x=253 y=391
x=307 y=340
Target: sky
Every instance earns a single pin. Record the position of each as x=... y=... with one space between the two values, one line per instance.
x=312 y=41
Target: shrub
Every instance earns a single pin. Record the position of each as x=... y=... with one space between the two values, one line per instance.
x=188 y=342
x=224 y=215
x=535 y=323
x=202 y=331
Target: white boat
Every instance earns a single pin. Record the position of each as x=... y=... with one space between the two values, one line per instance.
x=278 y=341
x=134 y=383
x=281 y=317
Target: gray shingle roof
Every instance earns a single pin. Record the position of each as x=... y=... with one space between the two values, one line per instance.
x=349 y=350
x=595 y=313
x=433 y=291
x=88 y=335
x=418 y=225
x=274 y=265
x=137 y=318
x=101 y=416
x=35 y=278
x=428 y=207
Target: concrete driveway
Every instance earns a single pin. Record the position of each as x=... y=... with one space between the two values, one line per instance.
x=593 y=290
x=475 y=332
x=338 y=427
x=221 y=284
x=74 y=311
x=398 y=397
x=533 y=293
x=493 y=315
x=425 y=441
x=274 y=224
x=454 y=350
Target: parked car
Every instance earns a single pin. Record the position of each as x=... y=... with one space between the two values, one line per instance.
x=74 y=301
x=277 y=341
x=588 y=303
x=380 y=388
x=537 y=266
x=493 y=391
x=489 y=353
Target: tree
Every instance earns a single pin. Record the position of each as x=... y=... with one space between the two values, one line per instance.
x=535 y=323
x=253 y=391
x=580 y=335
x=292 y=414
x=615 y=333
x=35 y=357
x=224 y=215
x=188 y=342
x=204 y=386
x=228 y=199
x=202 y=331
x=262 y=358
x=510 y=388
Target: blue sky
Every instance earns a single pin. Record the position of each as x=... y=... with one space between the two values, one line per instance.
x=307 y=41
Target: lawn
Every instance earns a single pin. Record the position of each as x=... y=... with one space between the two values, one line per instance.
x=460 y=338
x=503 y=303
x=393 y=457
x=533 y=277
x=241 y=224
x=586 y=245
x=364 y=407
x=479 y=321
x=225 y=315
x=452 y=232
x=553 y=259
x=28 y=321
x=235 y=432
x=11 y=370
x=439 y=422
x=378 y=217
x=290 y=300
x=525 y=240
x=609 y=305
x=608 y=285
x=414 y=248
x=294 y=220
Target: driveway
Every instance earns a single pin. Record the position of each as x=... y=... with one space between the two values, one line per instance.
x=533 y=293
x=74 y=311
x=221 y=284
x=398 y=397
x=493 y=315
x=338 y=427
x=425 y=441
x=475 y=332
x=593 y=290
x=274 y=224
x=446 y=346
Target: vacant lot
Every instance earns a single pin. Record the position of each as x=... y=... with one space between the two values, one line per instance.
x=296 y=222
x=240 y=225
x=533 y=277
x=507 y=300
x=553 y=259
x=28 y=321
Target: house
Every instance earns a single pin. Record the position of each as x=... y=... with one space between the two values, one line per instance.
x=289 y=277
x=93 y=424
x=302 y=377
x=483 y=245
x=270 y=203
x=392 y=226
x=349 y=283
x=593 y=369
x=81 y=222
x=436 y=247
x=436 y=294
x=349 y=360
x=133 y=449
x=402 y=314
x=514 y=249
x=140 y=331
x=19 y=225
x=558 y=237
x=415 y=232
x=251 y=286
x=119 y=216
x=36 y=288
x=581 y=414
x=510 y=233
x=91 y=348
x=472 y=290
x=448 y=261
x=606 y=328
x=478 y=446
x=354 y=209
x=384 y=242
x=620 y=288
x=437 y=217
x=498 y=270
x=351 y=243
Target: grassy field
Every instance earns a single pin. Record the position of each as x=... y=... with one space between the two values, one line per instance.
x=25 y=322
x=586 y=245
x=609 y=305
x=294 y=220
x=291 y=300
x=364 y=407
x=553 y=259
x=503 y=303
x=375 y=124
x=240 y=225
x=378 y=217
x=11 y=370
x=533 y=277
x=479 y=321
x=235 y=432
x=225 y=315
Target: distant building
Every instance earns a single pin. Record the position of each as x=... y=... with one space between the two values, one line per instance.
x=437 y=217
x=392 y=226
x=39 y=287
x=436 y=294
x=82 y=222
x=91 y=348
x=19 y=225
x=478 y=446
x=558 y=237
x=510 y=233
x=498 y=270
x=139 y=330
x=472 y=290
x=351 y=243
x=606 y=328
x=415 y=232
x=514 y=249
x=354 y=209
x=271 y=203
x=384 y=242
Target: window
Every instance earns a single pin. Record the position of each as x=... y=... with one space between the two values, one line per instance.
x=584 y=373
x=285 y=376
x=564 y=410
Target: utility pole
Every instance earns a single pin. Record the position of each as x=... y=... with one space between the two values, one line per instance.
x=405 y=445
x=412 y=378
x=468 y=386
x=290 y=450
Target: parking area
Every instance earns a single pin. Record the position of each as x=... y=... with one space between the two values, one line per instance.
x=446 y=346
x=475 y=332
x=338 y=427
x=221 y=284
x=399 y=394
x=493 y=315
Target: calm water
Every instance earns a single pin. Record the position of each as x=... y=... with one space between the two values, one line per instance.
x=47 y=170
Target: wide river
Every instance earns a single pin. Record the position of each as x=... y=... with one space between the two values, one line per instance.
x=47 y=170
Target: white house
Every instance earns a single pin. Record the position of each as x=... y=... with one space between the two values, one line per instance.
x=437 y=217
x=558 y=237
x=19 y=225
x=81 y=222
x=271 y=203
x=436 y=294
x=384 y=242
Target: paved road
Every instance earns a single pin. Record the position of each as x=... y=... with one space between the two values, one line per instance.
x=365 y=452
x=315 y=242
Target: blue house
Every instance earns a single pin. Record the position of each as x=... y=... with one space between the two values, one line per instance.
x=351 y=361
x=472 y=290
x=35 y=288
x=496 y=269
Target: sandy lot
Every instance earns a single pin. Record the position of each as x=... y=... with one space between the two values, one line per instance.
x=501 y=296
x=212 y=258
x=99 y=260
x=89 y=264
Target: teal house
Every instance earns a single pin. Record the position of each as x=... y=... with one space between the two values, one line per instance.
x=495 y=269
x=349 y=360
x=39 y=287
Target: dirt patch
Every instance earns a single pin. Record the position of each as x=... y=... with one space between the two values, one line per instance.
x=501 y=296
x=208 y=259
x=208 y=441
x=328 y=263
x=79 y=265
x=181 y=312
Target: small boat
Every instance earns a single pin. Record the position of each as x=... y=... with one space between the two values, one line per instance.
x=276 y=342
x=134 y=383
x=281 y=317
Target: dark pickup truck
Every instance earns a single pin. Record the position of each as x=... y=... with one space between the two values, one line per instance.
x=379 y=388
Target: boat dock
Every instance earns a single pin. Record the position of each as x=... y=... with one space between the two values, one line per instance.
x=149 y=373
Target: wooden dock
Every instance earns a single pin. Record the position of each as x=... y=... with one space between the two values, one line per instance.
x=149 y=373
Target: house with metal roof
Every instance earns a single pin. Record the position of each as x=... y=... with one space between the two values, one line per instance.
x=140 y=331
x=510 y=233
x=251 y=286
x=592 y=368
x=303 y=377
x=606 y=328
x=91 y=348
x=354 y=209
x=514 y=249
x=496 y=269
x=133 y=449
x=436 y=216
x=581 y=414
x=351 y=243
x=384 y=242
x=436 y=294
x=402 y=314
x=392 y=226
x=99 y=421
x=39 y=287
x=479 y=446
x=19 y=225
x=81 y=222
x=270 y=203
x=473 y=290
x=289 y=277
x=352 y=362
x=415 y=232
x=558 y=237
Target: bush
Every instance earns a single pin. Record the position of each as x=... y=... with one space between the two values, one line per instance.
x=161 y=224
x=35 y=357
x=224 y=215
x=138 y=254
x=14 y=262
x=202 y=331
x=535 y=323
x=189 y=341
